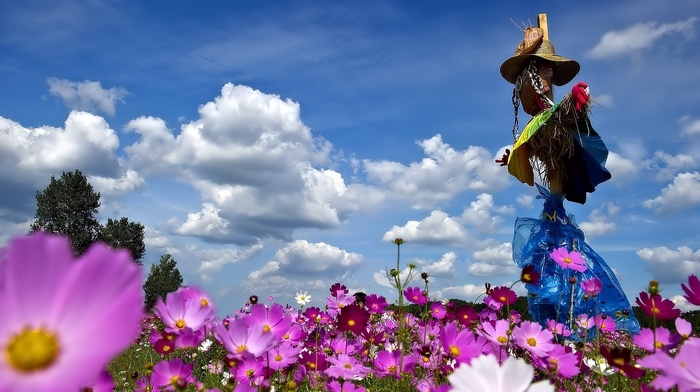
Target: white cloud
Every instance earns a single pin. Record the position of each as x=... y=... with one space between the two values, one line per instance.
x=479 y=214
x=683 y=193
x=493 y=261
x=114 y=187
x=440 y=269
x=638 y=37
x=467 y=292
x=667 y=165
x=437 y=228
x=444 y=173
x=622 y=169
x=671 y=266
x=599 y=223
x=690 y=126
x=525 y=200
x=213 y=260
x=86 y=95
x=302 y=258
x=683 y=304
x=253 y=161
x=605 y=100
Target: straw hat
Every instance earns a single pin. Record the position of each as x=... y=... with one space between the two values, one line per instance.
x=564 y=69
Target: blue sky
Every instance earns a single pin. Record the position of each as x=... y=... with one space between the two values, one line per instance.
x=273 y=147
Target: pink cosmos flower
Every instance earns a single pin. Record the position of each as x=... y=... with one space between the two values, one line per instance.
x=663 y=339
x=344 y=386
x=103 y=383
x=569 y=260
x=558 y=328
x=692 y=294
x=389 y=363
x=58 y=311
x=684 y=328
x=676 y=370
x=592 y=286
x=460 y=345
x=272 y=319
x=565 y=364
x=353 y=318
x=605 y=323
x=172 y=374
x=346 y=367
x=283 y=355
x=531 y=337
x=485 y=374
x=188 y=309
x=465 y=315
x=242 y=340
x=497 y=331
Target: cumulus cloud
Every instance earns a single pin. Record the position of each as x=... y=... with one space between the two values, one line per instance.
x=671 y=266
x=444 y=173
x=467 y=292
x=638 y=37
x=493 y=261
x=437 y=228
x=114 y=187
x=683 y=304
x=86 y=142
x=255 y=165
x=440 y=269
x=480 y=214
x=622 y=169
x=682 y=194
x=303 y=258
x=525 y=200
x=86 y=95
x=666 y=165
x=689 y=126
x=599 y=223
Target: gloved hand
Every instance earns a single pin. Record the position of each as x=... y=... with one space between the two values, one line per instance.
x=504 y=159
x=581 y=95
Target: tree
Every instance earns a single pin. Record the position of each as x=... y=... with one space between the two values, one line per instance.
x=68 y=206
x=164 y=278
x=122 y=234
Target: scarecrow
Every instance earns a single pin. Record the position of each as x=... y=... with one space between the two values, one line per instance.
x=568 y=155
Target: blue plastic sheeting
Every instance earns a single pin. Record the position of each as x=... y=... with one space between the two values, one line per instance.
x=535 y=239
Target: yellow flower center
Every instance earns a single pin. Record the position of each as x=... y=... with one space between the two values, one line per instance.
x=392 y=369
x=567 y=260
x=279 y=357
x=526 y=277
x=619 y=361
x=347 y=366
x=502 y=339
x=266 y=328
x=659 y=345
x=454 y=351
x=204 y=302
x=532 y=342
x=655 y=310
x=180 y=323
x=351 y=323
x=241 y=348
x=502 y=298
x=174 y=380
x=32 y=350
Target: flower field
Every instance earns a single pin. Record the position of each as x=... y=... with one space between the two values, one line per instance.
x=79 y=326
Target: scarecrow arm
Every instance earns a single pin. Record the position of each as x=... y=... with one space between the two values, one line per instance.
x=504 y=159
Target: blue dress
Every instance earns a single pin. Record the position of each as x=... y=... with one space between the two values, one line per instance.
x=554 y=297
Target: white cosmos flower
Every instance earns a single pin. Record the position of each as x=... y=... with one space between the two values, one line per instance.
x=485 y=374
x=303 y=298
x=599 y=365
x=205 y=345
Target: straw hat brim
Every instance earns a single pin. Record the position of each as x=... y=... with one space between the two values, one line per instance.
x=564 y=69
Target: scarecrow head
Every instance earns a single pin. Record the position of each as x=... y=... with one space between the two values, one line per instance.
x=534 y=68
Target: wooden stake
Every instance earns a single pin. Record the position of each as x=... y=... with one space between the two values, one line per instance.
x=542 y=23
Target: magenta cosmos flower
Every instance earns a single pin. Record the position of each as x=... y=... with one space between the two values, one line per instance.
x=244 y=341
x=375 y=304
x=654 y=306
x=568 y=260
x=692 y=293
x=63 y=319
x=172 y=374
x=592 y=286
x=415 y=296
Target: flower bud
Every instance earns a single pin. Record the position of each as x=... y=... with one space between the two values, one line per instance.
x=398 y=241
x=653 y=287
x=424 y=275
x=572 y=280
x=394 y=273
x=253 y=299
